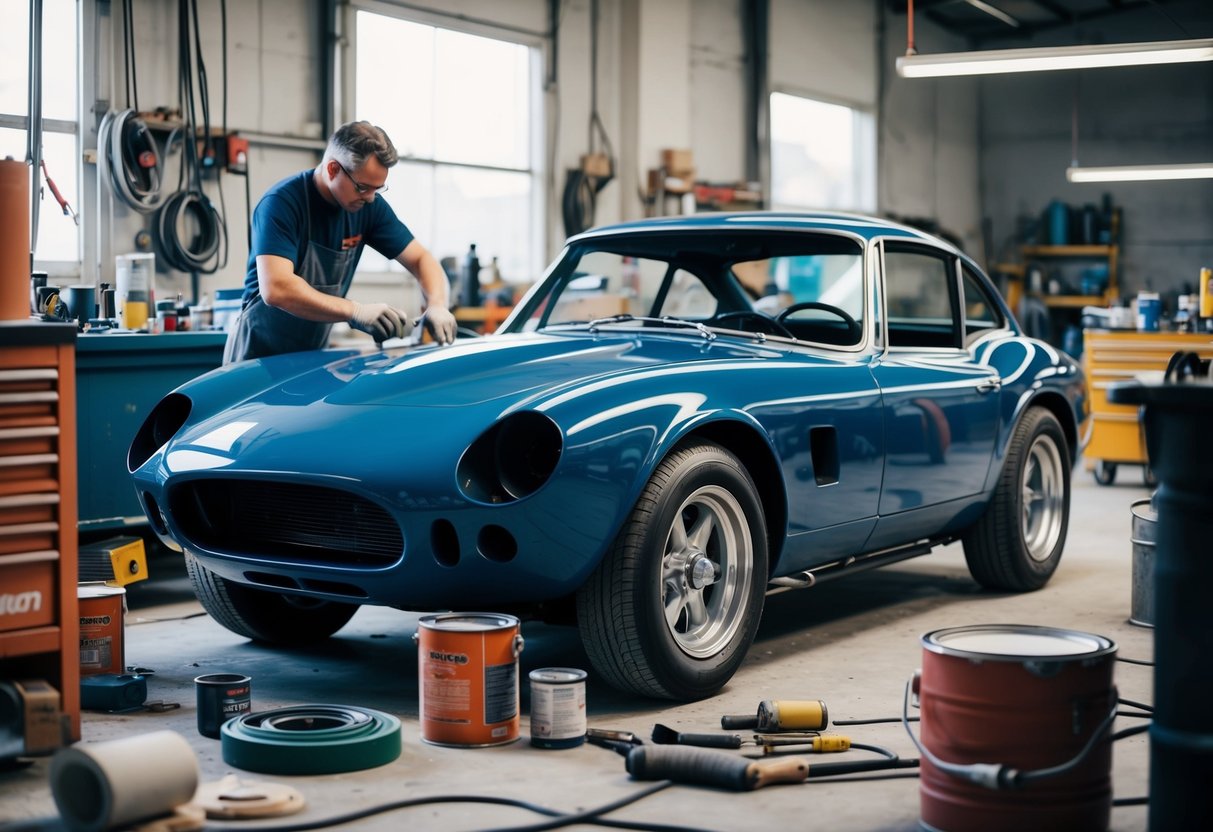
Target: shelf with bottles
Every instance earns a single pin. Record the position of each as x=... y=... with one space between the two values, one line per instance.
x=1049 y=275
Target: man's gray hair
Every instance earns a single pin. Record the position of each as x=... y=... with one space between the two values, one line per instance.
x=354 y=142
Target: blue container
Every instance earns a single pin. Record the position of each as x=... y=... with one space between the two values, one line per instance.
x=1058 y=214
x=1149 y=309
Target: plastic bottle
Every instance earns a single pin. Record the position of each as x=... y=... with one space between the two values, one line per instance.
x=470 y=295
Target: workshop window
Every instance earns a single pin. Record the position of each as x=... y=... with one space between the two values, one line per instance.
x=462 y=110
x=823 y=155
x=58 y=240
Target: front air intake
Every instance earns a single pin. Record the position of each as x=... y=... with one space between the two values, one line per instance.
x=286 y=522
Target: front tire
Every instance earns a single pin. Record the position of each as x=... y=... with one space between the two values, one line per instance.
x=675 y=603
x=266 y=616
x=1017 y=543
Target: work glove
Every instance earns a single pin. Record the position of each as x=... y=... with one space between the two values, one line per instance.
x=441 y=324
x=380 y=321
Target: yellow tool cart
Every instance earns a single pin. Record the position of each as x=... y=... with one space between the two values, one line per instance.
x=1121 y=355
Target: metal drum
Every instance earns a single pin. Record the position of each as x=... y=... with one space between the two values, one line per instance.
x=1144 y=537
x=1027 y=697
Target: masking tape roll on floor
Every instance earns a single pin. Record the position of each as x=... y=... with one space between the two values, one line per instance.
x=106 y=785
x=311 y=739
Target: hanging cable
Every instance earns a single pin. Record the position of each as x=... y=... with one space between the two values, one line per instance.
x=189 y=211
x=129 y=160
x=582 y=186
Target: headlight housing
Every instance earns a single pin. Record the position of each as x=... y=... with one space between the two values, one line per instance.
x=161 y=424
x=512 y=459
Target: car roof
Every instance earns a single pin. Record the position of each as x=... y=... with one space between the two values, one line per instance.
x=857 y=224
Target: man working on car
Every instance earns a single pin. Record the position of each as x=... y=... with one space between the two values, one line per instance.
x=308 y=234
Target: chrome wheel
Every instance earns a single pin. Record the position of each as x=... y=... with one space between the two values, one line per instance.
x=706 y=571
x=1043 y=492
x=674 y=605
x=1017 y=543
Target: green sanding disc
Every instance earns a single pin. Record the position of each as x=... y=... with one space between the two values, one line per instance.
x=311 y=739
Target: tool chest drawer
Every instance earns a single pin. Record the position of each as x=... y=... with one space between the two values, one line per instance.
x=39 y=623
x=1116 y=356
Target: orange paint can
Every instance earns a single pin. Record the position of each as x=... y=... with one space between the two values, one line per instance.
x=467 y=671
x=101 y=628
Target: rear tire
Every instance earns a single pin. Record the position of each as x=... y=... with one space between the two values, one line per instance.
x=266 y=616
x=675 y=603
x=1017 y=543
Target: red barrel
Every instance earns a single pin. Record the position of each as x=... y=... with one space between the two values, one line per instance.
x=1024 y=696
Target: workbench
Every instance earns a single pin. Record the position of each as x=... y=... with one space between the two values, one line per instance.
x=120 y=376
x=1124 y=355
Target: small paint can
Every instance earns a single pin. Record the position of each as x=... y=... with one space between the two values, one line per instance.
x=557 y=707
x=222 y=696
x=467 y=669
x=101 y=628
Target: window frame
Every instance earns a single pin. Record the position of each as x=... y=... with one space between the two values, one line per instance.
x=952 y=264
x=84 y=52
x=346 y=95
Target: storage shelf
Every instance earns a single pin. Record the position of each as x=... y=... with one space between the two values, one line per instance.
x=30 y=642
x=1069 y=251
x=1073 y=301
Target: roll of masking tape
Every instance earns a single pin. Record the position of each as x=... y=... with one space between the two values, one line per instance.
x=106 y=785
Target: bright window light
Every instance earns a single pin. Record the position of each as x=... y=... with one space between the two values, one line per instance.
x=823 y=155
x=58 y=236
x=460 y=109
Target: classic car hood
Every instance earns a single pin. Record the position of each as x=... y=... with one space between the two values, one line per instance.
x=508 y=365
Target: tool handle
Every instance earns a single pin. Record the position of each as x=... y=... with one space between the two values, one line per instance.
x=734 y=721
x=710 y=740
x=703 y=767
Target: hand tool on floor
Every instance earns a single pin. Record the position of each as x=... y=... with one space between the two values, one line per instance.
x=782 y=715
x=664 y=735
x=704 y=767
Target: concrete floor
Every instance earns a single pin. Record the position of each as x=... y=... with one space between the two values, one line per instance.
x=852 y=643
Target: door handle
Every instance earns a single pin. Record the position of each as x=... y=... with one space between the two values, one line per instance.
x=989 y=385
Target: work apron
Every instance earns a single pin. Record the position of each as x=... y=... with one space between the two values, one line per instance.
x=262 y=330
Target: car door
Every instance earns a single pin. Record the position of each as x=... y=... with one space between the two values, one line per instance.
x=940 y=403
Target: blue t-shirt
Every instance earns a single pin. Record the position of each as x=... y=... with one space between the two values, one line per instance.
x=280 y=226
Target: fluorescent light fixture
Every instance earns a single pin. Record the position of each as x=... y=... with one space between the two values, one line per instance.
x=1140 y=173
x=1038 y=59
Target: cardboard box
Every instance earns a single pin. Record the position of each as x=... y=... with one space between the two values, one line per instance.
x=596 y=164
x=43 y=722
x=678 y=162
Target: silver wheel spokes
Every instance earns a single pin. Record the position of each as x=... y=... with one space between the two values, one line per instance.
x=706 y=571
x=1043 y=498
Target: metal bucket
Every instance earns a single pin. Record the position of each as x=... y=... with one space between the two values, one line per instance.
x=1024 y=696
x=467 y=667
x=1144 y=537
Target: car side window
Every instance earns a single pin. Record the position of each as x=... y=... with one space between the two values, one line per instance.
x=920 y=298
x=981 y=313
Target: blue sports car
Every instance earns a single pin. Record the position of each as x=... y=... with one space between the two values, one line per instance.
x=682 y=416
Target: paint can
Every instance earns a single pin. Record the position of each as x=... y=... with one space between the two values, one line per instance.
x=101 y=628
x=220 y=697
x=1024 y=696
x=467 y=669
x=1144 y=537
x=557 y=707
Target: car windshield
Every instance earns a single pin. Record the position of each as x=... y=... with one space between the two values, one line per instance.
x=807 y=287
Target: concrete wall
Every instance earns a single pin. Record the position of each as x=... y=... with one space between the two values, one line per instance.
x=671 y=74
x=929 y=139
x=1139 y=115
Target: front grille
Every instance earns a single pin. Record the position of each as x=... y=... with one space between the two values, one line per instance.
x=286 y=522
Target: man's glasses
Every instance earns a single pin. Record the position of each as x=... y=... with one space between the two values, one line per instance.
x=360 y=187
